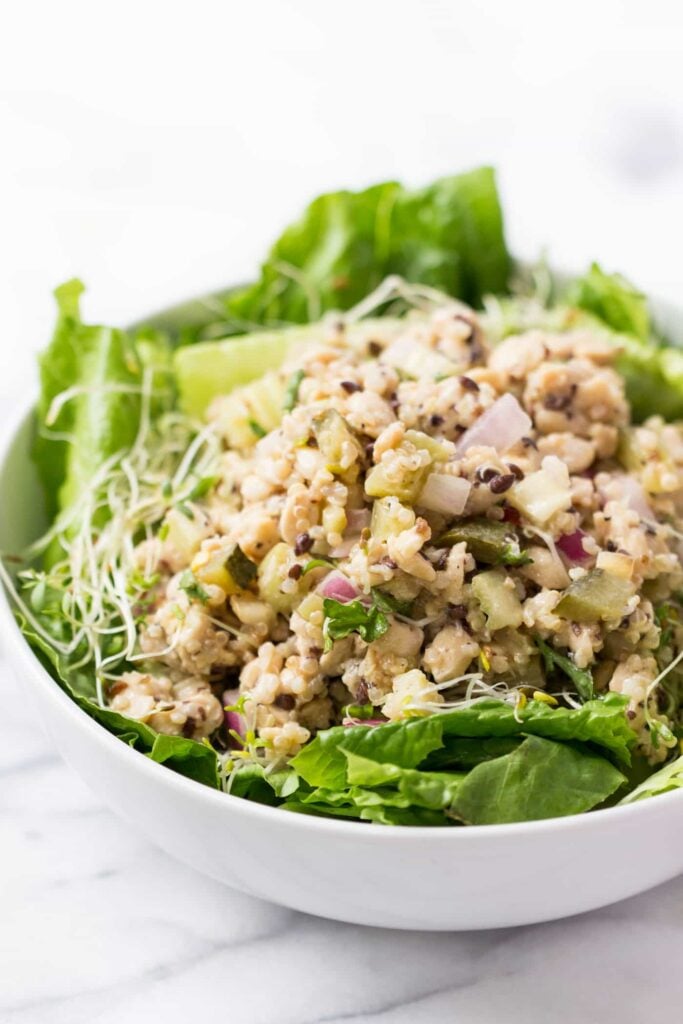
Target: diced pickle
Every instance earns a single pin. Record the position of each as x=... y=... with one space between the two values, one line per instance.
x=337 y=444
x=241 y=568
x=488 y=540
x=231 y=570
x=498 y=600
x=597 y=596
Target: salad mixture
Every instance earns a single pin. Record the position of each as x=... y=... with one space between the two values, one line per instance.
x=393 y=534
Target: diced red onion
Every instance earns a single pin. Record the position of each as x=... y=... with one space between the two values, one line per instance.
x=346 y=547
x=444 y=493
x=338 y=587
x=358 y=519
x=571 y=546
x=502 y=425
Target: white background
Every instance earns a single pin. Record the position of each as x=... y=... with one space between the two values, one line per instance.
x=155 y=149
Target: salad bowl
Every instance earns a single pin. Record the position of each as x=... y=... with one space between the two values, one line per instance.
x=408 y=877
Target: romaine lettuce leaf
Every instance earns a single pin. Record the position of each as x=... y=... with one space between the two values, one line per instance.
x=601 y=722
x=652 y=370
x=322 y=762
x=668 y=778
x=541 y=779
x=197 y=761
x=448 y=235
x=102 y=417
x=614 y=300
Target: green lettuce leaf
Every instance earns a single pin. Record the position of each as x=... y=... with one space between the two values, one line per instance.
x=197 y=761
x=322 y=763
x=448 y=235
x=601 y=722
x=433 y=790
x=614 y=300
x=652 y=370
x=541 y=779
x=463 y=752
x=101 y=420
x=665 y=780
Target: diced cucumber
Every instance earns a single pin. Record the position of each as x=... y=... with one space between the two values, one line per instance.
x=213 y=368
x=498 y=600
x=252 y=411
x=389 y=518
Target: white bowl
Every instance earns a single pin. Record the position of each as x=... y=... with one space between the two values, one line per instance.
x=478 y=877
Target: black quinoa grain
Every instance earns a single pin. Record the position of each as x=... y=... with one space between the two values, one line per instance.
x=295 y=571
x=610 y=546
x=441 y=561
x=457 y=612
x=374 y=348
x=303 y=543
x=557 y=402
x=486 y=473
x=389 y=562
x=435 y=420
x=285 y=701
x=468 y=384
x=361 y=694
x=502 y=482
x=529 y=442
x=188 y=728
x=515 y=470
x=350 y=386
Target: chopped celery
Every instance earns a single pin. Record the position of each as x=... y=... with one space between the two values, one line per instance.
x=437 y=451
x=488 y=540
x=595 y=597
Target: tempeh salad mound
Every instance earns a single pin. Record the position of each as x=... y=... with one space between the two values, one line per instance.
x=433 y=518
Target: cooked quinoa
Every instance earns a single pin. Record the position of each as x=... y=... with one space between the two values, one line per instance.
x=473 y=506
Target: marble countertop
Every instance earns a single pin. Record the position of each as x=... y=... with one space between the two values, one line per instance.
x=160 y=171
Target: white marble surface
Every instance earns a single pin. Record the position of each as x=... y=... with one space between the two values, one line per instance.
x=154 y=151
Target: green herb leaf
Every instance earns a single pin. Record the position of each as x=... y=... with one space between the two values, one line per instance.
x=541 y=779
x=257 y=429
x=386 y=602
x=581 y=678
x=353 y=617
x=192 y=587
